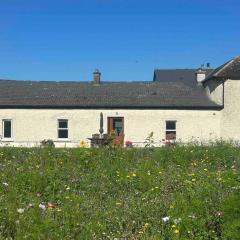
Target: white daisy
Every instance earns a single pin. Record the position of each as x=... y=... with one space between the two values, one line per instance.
x=165 y=219
x=42 y=206
x=20 y=210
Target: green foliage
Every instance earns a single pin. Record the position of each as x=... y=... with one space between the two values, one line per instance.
x=149 y=141
x=47 y=143
x=178 y=192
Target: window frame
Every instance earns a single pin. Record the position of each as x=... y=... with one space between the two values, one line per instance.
x=61 y=128
x=168 y=130
x=3 y=129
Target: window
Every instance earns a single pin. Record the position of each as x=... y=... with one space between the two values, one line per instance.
x=63 y=128
x=170 y=130
x=7 y=128
x=118 y=126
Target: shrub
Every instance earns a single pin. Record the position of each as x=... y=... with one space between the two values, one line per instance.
x=47 y=143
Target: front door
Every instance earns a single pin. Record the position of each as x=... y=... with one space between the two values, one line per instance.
x=116 y=129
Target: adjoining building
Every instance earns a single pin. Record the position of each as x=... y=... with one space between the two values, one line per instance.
x=179 y=104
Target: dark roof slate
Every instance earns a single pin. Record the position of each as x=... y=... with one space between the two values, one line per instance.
x=186 y=76
x=43 y=94
x=230 y=69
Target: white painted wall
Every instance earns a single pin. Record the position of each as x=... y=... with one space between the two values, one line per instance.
x=32 y=126
x=230 y=115
x=214 y=90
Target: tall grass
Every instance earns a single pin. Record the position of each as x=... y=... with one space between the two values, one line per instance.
x=187 y=192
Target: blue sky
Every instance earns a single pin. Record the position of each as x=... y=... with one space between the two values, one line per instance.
x=125 y=39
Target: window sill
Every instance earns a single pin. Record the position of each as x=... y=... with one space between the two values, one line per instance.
x=6 y=140
x=63 y=140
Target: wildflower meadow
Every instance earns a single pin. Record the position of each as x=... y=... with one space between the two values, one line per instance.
x=174 y=192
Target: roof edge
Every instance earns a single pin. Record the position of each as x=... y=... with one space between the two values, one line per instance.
x=217 y=72
x=216 y=107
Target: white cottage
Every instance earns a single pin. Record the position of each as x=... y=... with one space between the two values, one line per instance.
x=182 y=104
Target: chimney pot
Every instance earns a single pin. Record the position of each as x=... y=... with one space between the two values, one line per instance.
x=96 y=76
x=200 y=75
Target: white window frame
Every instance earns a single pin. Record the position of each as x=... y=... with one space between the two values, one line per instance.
x=3 y=132
x=171 y=130
x=58 y=128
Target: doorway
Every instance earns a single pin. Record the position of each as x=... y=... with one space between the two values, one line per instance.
x=116 y=129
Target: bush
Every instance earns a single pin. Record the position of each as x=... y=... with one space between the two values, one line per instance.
x=47 y=143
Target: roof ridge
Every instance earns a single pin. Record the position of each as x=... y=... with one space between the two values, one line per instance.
x=77 y=81
x=219 y=71
x=227 y=64
x=175 y=68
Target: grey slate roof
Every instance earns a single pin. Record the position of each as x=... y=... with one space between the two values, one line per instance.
x=43 y=94
x=230 y=69
x=186 y=76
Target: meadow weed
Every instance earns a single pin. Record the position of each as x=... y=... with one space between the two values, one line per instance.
x=177 y=192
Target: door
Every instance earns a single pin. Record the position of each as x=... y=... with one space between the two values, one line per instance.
x=116 y=129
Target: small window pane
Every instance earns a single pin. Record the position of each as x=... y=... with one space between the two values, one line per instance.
x=117 y=126
x=63 y=124
x=117 y=123
x=171 y=135
x=62 y=133
x=170 y=125
x=7 y=130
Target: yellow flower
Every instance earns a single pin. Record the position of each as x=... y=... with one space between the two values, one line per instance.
x=146 y=225
x=191 y=174
x=173 y=226
x=82 y=144
x=193 y=180
x=205 y=169
x=176 y=231
x=134 y=174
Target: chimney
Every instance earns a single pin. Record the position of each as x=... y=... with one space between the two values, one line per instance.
x=200 y=75
x=96 y=77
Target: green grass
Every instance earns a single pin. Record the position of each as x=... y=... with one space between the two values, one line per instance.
x=120 y=193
